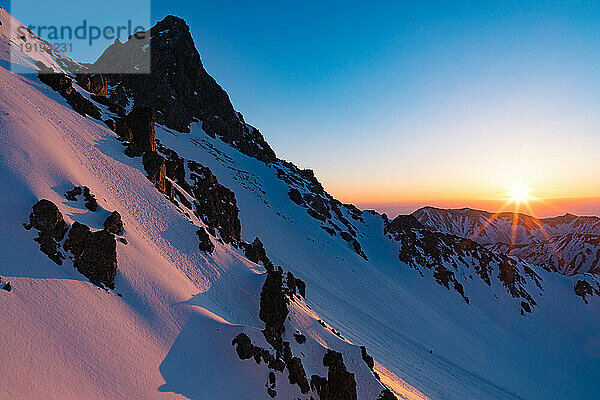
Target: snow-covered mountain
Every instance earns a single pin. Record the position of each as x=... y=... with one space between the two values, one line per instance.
x=568 y=244
x=130 y=221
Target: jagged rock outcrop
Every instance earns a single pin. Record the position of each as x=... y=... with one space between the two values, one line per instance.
x=77 y=238
x=90 y=200
x=114 y=223
x=140 y=122
x=300 y=338
x=98 y=260
x=123 y=131
x=273 y=307
x=340 y=384
x=295 y=195
x=156 y=168
x=179 y=88
x=367 y=358
x=175 y=166
x=584 y=289
x=47 y=219
x=244 y=347
x=74 y=193
x=256 y=253
x=215 y=204
x=64 y=86
x=355 y=244
x=205 y=243
x=295 y=284
x=95 y=83
x=95 y=254
x=297 y=375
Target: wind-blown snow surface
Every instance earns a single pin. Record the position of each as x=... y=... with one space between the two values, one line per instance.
x=169 y=335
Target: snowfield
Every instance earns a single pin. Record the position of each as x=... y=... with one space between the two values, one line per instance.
x=166 y=329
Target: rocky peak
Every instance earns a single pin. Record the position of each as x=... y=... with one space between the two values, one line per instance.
x=178 y=87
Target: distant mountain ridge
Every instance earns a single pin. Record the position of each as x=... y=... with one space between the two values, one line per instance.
x=568 y=244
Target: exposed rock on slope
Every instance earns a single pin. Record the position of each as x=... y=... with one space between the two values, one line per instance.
x=273 y=307
x=215 y=204
x=205 y=243
x=340 y=384
x=48 y=221
x=113 y=223
x=64 y=85
x=256 y=253
x=95 y=253
x=98 y=261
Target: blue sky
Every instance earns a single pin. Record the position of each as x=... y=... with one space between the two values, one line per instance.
x=417 y=102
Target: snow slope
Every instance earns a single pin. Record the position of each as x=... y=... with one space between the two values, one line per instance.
x=166 y=330
x=169 y=333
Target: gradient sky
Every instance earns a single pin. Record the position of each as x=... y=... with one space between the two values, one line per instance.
x=442 y=103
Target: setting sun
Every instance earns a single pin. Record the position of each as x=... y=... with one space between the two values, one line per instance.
x=519 y=193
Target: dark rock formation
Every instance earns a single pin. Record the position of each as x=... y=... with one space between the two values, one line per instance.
x=256 y=253
x=7 y=286
x=95 y=84
x=386 y=394
x=271 y=385
x=295 y=284
x=123 y=131
x=140 y=122
x=205 y=243
x=273 y=307
x=583 y=289
x=47 y=219
x=215 y=204
x=98 y=261
x=111 y=124
x=341 y=384
x=175 y=166
x=77 y=238
x=90 y=200
x=318 y=383
x=244 y=347
x=179 y=88
x=72 y=194
x=297 y=375
x=367 y=358
x=156 y=168
x=295 y=195
x=64 y=86
x=355 y=244
x=318 y=207
x=113 y=223
x=133 y=150
x=300 y=338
